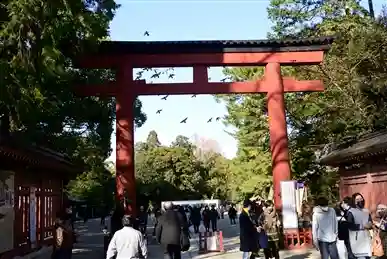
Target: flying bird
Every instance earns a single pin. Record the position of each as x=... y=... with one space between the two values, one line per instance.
x=224 y=79
x=193 y=96
x=184 y=121
x=209 y=120
x=171 y=76
x=159 y=111
x=217 y=118
x=156 y=74
x=165 y=98
x=139 y=75
x=146 y=33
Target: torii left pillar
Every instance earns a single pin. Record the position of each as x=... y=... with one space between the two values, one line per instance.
x=125 y=95
x=125 y=176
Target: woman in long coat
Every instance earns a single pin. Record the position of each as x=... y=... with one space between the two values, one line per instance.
x=269 y=222
x=248 y=232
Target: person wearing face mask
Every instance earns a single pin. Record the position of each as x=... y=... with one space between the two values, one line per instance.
x=325 y=229
x=359 y=223
x=248 y=232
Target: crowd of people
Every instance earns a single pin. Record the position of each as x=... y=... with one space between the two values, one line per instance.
x=259 y=229
x=344 y=231
x=348 y=230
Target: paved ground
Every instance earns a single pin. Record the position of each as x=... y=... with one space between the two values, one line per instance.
x=90 y=244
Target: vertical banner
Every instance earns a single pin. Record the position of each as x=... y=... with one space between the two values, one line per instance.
x=289 y=206
x=33 y=217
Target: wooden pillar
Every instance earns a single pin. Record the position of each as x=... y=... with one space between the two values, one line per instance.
x=278 y=129
x=125 y=178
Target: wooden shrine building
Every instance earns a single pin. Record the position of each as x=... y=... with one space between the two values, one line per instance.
x=31 y=193
x=362 y=166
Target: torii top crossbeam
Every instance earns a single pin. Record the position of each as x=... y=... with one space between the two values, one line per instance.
x=124 y=56
x=142 y=54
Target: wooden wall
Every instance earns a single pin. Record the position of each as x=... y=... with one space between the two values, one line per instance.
x=369 y=179
x=47 y=187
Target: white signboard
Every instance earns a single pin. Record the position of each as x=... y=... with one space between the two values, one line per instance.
x=212 y=243
x=289 y=205
x=33 y=217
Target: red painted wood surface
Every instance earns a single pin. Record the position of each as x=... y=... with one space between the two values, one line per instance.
x=125 y=89
x=278 y=130
x=48 y=203
x=370 y=180
x=249 y=87
x=298 y=239
x=125 y=179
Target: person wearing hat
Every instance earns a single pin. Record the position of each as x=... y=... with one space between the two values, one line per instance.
x=248 y=232
x=127 y=242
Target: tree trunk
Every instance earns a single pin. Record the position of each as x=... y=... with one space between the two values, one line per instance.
x=371 y=9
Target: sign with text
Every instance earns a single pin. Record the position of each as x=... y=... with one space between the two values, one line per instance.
x=33 y=216
x=289 y=205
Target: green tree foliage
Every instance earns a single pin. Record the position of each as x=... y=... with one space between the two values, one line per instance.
x=38 y=40
x=354 y=100
x=175 y=173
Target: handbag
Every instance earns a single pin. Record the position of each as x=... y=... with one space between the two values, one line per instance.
x=184 y=241
x=361 y=243
x=263 y=240
x=342 y=249
x=377 y=246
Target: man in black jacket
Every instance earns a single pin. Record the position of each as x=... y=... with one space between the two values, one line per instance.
x=170 y=227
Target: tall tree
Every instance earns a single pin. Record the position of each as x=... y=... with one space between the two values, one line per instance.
x=353 y=73
x=38 y=40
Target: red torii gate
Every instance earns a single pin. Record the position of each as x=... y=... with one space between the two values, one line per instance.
x=125 y=56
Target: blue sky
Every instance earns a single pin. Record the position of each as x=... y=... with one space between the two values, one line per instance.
x=190 y=20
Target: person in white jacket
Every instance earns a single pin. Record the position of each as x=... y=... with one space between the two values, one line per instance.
x=325 y=229
x=127 y=242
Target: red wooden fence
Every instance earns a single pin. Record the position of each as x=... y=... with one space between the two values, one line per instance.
x=48 y=203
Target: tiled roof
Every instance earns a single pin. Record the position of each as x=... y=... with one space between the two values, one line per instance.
x=35 y=156
x=215 y=46
x=367 y=146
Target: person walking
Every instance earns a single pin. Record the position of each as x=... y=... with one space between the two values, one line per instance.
x=248 y=233
x=221 y=211
x=232 y=213
x=343 y=228
x=359 y=223
x=325 y=229
x=170 y=228
x=143 y=220
x=127 y=242
x=196 y=218
x=157 y=214
x=214 y=217
x=63 y=237
x=206 y=218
